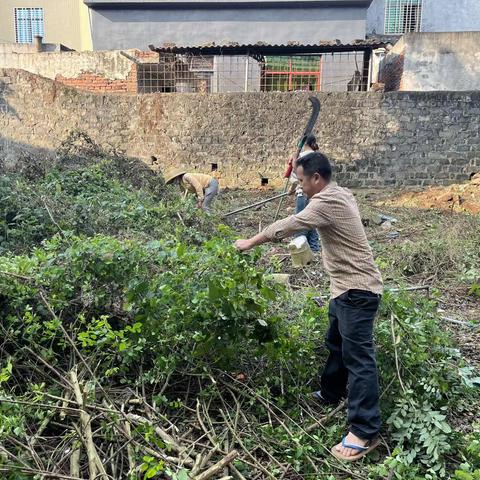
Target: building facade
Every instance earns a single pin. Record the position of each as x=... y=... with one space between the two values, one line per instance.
x=63 y=22
x=396 y=17
x=120 y=24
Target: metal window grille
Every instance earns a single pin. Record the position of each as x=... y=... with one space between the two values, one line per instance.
x=403 y=16
x=29 y=22
x=292 y=73
x=340 y=71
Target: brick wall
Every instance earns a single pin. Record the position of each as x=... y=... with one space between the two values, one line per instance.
x=99 y=83
x=374 y=139
x=112 y=71
x=392 y=72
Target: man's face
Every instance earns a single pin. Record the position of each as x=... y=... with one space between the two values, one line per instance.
x=311 y=184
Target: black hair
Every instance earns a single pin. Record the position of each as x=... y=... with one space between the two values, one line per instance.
x=316 y=162
x=311 y=141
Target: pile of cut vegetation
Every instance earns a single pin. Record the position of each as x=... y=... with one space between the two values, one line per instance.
x=138 y=343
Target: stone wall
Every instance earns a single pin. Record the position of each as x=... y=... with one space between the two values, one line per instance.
x=373 y=139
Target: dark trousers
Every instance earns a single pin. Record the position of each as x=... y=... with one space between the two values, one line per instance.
x=352 y=360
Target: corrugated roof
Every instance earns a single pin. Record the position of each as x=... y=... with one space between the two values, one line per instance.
x=217 y=3
x=263 y=48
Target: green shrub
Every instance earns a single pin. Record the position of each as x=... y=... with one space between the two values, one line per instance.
x=93 y=200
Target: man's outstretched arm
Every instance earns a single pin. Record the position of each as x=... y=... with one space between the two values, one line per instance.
x=250 y=243
x=309 y=218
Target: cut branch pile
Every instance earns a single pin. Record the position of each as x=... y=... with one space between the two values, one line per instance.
x=91 y=433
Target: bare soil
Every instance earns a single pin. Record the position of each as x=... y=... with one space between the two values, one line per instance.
x=458 y=197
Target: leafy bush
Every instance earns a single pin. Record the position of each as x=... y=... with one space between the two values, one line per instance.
x=429 y=380
x=162 y=298
x=469 y=469
x=91 y=200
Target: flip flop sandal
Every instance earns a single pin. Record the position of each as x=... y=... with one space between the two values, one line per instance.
x=319 y=398
x=362 y=451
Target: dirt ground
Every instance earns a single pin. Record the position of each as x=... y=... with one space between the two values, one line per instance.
x=409 y=226
x=458 y=197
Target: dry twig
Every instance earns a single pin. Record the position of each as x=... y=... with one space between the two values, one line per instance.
x=213 y=470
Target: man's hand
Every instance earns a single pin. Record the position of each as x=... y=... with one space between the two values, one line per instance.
x=289 y=169
x=199 y=203
x=243 y=245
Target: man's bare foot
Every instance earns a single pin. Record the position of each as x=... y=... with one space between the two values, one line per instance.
x=351 y=439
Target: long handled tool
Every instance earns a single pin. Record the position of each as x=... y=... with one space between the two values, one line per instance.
x=308 y=129
x=253 y=205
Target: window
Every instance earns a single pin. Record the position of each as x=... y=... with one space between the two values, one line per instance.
x=301 y=72
x=403 y=16
x=28 y=24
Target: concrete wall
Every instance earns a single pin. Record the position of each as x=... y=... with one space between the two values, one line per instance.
x=376 y=18
x=437 y=16
x=112 y=65
x=433 y=61
x=373 y=139
x=6 y=48
x=451 y=16
x=115 y=28
x=66 y=21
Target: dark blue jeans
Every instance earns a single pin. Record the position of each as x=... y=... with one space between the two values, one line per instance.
x=352 y=360
x=301 y=202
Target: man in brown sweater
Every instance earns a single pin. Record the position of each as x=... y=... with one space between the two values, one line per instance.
x=356 y=287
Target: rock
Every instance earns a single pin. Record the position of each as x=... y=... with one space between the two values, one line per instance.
x=386 y=225
x=475 y=180
x=282 y=278
x=381 y=219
